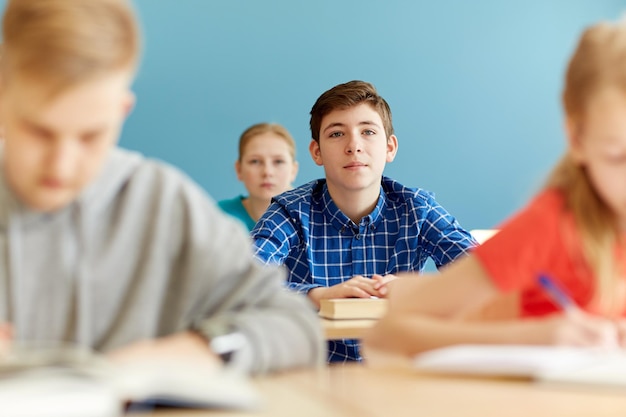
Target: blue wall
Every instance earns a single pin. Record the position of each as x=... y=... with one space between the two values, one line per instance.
x=473 y=85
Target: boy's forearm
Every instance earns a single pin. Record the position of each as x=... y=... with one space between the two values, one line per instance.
x=284 y=335
x=185 y=346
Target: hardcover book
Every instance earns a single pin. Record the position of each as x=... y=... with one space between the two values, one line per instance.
x=353 y=308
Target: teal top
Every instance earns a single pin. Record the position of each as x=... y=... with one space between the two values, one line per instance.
x=235 y=208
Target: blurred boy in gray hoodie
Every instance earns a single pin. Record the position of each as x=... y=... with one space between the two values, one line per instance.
x=102 y=247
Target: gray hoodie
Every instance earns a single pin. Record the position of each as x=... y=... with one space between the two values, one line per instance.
x=142 y=253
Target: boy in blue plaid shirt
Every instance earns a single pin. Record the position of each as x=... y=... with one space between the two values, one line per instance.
x=347 y=235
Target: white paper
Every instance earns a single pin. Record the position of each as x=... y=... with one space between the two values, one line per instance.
x=546 y=363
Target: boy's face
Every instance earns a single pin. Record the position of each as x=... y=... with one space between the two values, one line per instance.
x=353 y=149
x=54 y=148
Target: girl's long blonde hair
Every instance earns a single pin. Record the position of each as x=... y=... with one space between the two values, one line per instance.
x=598 y=62
x=262 y=128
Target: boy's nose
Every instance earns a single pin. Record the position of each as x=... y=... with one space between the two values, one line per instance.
x=62 y=160
x=354 y=146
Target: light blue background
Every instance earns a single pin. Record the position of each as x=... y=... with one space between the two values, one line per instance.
x=473 y=85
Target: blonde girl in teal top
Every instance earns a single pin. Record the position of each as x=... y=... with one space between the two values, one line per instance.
x=267 y=167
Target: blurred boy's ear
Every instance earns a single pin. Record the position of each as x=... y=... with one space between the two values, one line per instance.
x=572 y=131
x=314 y=149
x=129 y=102
x=2 y=94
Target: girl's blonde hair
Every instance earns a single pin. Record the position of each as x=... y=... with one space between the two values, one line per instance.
x=598 y=62
x=262 y=128
x=60 y=43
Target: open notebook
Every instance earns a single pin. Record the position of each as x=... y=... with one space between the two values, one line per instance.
x=67 y=381
x=587 y=366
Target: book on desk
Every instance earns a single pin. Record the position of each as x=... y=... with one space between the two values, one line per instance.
x=353 y=308
x=66 y=381
x=575 y=366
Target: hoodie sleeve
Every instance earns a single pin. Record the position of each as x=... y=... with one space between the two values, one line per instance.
x=212 y=254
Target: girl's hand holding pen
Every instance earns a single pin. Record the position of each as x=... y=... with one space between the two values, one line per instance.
x=577 y=327
x=620 y=325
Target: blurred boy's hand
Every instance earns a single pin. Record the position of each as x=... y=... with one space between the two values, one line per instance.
x=6 y=336
x=185 y=348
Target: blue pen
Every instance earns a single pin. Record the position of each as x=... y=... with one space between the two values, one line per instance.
x=556 y=294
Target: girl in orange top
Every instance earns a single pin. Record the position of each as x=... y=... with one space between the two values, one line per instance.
x=573 y=231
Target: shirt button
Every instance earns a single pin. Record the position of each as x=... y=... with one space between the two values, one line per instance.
x=358 y=237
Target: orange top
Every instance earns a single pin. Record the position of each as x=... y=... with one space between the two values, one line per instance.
x=540 y=239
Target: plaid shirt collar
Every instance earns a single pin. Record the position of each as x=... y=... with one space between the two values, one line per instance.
x=339 y=220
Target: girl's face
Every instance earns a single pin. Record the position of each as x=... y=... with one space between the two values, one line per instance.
x=599 y=143
x=266 y=167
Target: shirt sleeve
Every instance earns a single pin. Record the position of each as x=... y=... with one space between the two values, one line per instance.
x=274 y=235
x=230 y=288
x=274 y=238
x=442 y=235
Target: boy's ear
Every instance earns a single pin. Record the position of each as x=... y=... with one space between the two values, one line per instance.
x=392 y=147
x=573 y=133
x=316 y=154
x=129 y=102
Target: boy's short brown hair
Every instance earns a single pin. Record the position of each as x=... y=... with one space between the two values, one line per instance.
x=65 y=42
x=348 y=95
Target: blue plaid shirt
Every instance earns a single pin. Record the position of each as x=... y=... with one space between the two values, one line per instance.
x=321 y=247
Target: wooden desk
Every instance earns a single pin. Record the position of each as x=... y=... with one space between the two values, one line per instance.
x=359 y=391
x=345 y=328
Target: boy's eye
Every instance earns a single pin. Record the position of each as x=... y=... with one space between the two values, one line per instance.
x=369 y=132
x=335 y=134
x=88 y=138
x=40 y=132
x=616 y=159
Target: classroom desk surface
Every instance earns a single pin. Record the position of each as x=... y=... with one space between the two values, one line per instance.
x=358 y=391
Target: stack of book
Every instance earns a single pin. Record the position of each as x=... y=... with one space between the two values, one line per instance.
x=353 y=308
